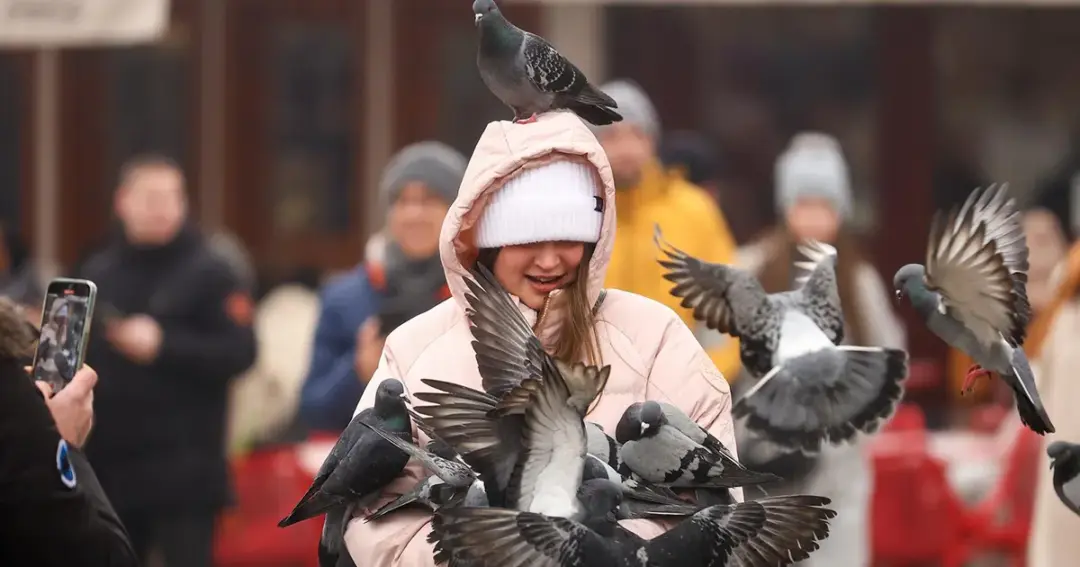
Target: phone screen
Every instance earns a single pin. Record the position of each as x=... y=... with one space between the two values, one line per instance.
x=65 y=328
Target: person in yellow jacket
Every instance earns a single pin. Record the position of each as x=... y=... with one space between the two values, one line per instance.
x=648 y=195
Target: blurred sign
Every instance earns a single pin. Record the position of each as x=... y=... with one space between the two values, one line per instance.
x=79 y=23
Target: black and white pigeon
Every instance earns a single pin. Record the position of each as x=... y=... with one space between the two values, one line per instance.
x=763 y=533
x=660 y=453
x=972 y=293
x=361 y=463
x=527 y=74
x=811 y=389
x=1065 y=460
x=639 y=497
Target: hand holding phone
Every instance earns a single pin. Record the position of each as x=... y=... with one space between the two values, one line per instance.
x=64 y=331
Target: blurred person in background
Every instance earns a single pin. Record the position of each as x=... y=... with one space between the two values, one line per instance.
x=1052 y=347
x=19 y=277
x=401 y=276
x=648 y=195
x=52 y=508
x=172 y=328
x=814 y=199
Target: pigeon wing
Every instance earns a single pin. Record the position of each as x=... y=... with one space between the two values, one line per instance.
x=994 y=208
x=725 y=298
x=971 y=276
x=825 y=395
x=550 y=72
x=818 y=295
x=448 y=471
x=707 y=538
x=793 y=526
x=460 y=416
x=489 y=537
x=507 y=351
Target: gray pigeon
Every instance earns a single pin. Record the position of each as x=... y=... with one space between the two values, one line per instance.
x=527 y=74
x=601 y=445
x=639 y=497
x=433 y=493
x=1065 y=460
x=972 y=293
x=763 y=533
x=811 y=388
x=662 y=454
x=361 y=463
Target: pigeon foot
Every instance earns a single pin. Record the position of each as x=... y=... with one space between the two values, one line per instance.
x=973 y=374
x=527 y=120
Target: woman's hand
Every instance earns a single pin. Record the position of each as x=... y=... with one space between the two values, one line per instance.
x=369 y=347
x=72 y=408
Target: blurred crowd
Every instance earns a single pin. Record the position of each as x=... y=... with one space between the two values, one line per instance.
x=202 y=362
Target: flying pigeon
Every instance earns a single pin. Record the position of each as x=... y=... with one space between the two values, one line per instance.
x=972 y=293
x=361 y=463
x=811 y=388
x=763 y=533
x=660 y=453
x=527 y=74
x=1065 y=460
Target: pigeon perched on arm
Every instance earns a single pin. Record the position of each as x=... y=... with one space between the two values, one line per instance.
x=811 y=389
x=527 y=74
x=662 y=454
x=361 y=463
x=1065 y=460
x=972 y=293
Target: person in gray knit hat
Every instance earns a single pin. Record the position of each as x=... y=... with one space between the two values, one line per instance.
x=401 y=277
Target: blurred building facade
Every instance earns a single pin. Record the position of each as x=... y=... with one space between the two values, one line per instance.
x=283 y=111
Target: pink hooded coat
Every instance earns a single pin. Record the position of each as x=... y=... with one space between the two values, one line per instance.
x=653 y=355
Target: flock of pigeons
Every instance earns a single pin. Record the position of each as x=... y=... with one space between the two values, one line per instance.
x=520 y=478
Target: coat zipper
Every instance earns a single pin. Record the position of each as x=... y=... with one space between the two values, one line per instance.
x=543 y=313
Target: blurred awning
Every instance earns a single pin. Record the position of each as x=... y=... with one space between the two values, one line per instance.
x=81 y=23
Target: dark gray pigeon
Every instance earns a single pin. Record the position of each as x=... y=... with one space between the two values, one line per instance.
x=660 y=453
x=972 y=293
x=361 y=463
x=811 y=388
x=527 y=74
x=763 y=533
x=1065 y=460
x=638 y=497
x=332 y=551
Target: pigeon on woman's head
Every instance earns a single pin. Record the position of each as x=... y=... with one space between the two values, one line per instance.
x=527 y=74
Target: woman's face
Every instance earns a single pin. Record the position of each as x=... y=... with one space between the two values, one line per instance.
x=813 y=218
x=532 y=271
x=415 y=219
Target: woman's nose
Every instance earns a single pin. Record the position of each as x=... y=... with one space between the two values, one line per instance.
x=547 y=257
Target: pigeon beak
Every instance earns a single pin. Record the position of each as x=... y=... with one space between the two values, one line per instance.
x=477 y=18
x=644 y=427
x=622 y=512
x=405 y=397
x=899 y=295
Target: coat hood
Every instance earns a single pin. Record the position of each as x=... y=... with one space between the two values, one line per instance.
x=504 y=150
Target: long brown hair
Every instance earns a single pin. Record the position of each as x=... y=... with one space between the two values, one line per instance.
x=776 y=274
x=577 y=340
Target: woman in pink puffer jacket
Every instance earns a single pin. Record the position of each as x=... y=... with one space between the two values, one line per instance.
x=537 y=205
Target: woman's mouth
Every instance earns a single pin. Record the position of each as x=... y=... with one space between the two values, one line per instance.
x=544 y=284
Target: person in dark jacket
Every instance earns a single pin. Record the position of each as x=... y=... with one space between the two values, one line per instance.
x=172 y=328
x=401 y=277
x=52 y=508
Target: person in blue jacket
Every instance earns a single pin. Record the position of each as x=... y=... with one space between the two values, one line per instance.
x=401 y=277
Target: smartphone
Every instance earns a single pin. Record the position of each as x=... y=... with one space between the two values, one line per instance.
x=65 y=331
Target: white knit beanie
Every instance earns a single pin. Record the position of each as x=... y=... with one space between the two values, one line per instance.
x=813 y=166
x=557 y=201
